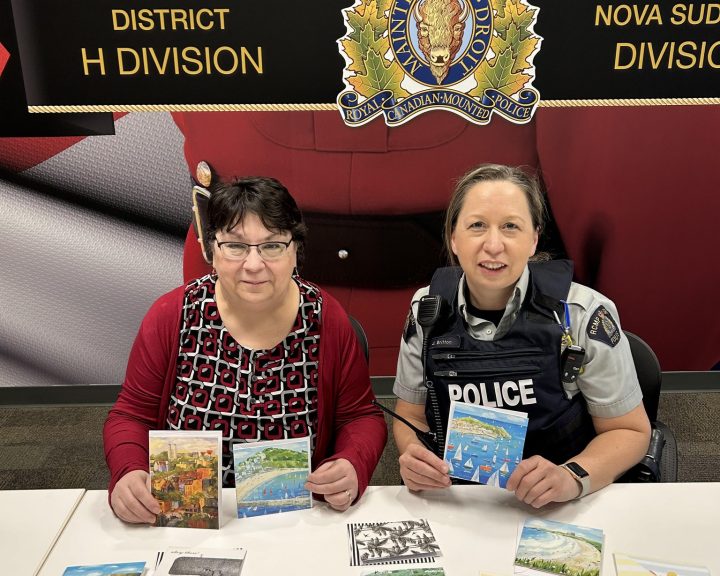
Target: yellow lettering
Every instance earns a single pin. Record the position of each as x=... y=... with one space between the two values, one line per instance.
x=99 y=60
x=121 y=52
x=160 y=67
x=115 y=15
x=189 y=59
x=623 y=46
x=233 y=56
x=198 y=20
x=257 y=64
x=145 y=16
x=683 y=51
x=221 y=12
x=178 y=16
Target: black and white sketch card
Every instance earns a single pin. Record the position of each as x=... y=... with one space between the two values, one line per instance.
x=178 y=561
x=406 y=542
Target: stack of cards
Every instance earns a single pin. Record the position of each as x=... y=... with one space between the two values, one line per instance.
x=270 y=476
x=185 y=477
x=407 y=542
x=484 y=444
x=558 y=548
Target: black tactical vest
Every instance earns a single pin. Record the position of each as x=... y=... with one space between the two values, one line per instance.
x=520 y=371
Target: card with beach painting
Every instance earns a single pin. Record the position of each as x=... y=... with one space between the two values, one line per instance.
x=270 y=476
x=553 y=547
x=118 y=569
x=631 y=565
x=484 y=444
x=184 y=477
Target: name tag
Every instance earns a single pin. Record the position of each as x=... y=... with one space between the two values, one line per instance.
x=445 y=342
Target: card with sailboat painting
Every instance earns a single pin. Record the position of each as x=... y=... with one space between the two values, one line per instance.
x=270 y=476
x=484 y=444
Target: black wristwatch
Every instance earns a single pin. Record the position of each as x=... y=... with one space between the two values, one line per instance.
x=580 y=475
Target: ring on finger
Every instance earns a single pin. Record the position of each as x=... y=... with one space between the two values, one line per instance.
x=349 y=495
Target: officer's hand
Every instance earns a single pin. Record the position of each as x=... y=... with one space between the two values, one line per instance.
x=422 y=470
x=537 y=481
x=337 y=481
x=131 y=498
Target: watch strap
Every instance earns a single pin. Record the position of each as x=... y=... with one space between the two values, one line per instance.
x=584 y=481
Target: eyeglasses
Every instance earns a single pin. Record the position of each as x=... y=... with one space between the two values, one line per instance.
x=268 y=251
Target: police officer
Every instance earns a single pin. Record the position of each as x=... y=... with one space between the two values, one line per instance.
x=518 y=335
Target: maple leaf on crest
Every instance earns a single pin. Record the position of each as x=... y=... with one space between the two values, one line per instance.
x=521 y=49
x=357 y=50
x=515 y=12
x=366 y=14
x=499 y=74
x=381 y=75
x=383 y=6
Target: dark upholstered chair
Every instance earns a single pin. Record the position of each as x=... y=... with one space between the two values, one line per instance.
x=650 y=378
x=361 y=336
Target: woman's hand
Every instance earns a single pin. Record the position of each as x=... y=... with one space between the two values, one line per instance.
x=131 y=498
x=337 y=481
x=537 y=481
x=422 y=470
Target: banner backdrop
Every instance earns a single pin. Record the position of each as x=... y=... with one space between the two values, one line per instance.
x=94 y=229
x=105 y=55
x=15 y=120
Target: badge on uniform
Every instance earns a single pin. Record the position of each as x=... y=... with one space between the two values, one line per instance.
x=410 y=328
x=602 y=327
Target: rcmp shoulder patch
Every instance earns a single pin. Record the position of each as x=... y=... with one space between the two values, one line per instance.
x=410 y=328
x=602 y=327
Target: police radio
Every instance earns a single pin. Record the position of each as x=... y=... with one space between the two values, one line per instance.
x=431 y=309
x=572 y=362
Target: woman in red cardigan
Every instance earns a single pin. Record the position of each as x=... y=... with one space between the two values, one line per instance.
x=253 y=350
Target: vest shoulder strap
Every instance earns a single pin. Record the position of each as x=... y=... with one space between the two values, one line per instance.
x=445 y=283
x=550 y=283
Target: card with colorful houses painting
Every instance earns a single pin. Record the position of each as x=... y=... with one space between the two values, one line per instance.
x=185 y=477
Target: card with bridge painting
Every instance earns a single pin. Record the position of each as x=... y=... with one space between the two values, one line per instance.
x=484 y=444
x=406 y=542
x=270 y=476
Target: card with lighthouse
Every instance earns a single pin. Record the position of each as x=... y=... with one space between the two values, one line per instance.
x=484 y=444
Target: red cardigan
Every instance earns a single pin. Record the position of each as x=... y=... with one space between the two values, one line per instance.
x=348 y=425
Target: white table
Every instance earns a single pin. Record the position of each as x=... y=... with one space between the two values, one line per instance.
x=30 y=523
x=476 y=528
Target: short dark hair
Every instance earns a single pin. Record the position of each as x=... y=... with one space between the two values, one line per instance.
x=529 y=184
x=265 y=197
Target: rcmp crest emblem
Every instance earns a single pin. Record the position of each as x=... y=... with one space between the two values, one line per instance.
x=470 y=57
